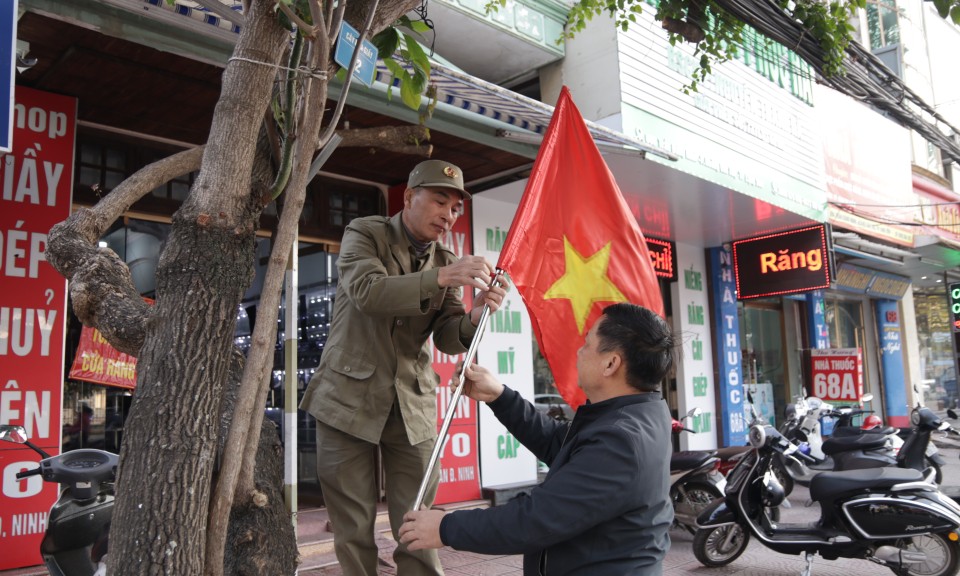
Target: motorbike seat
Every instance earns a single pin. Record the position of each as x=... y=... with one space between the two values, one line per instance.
x=847 y=443
x=731 y=451
x=690 y=459
x=828 y=485
x=845 y=431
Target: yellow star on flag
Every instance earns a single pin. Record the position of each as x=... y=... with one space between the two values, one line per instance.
x=585 y=282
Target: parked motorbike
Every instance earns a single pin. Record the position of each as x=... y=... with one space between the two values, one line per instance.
x=918 y=452
x=887 y=447
x=694 y=480
x=75 y=541
x=894 y=517
x=850 y=447
x=731 y=456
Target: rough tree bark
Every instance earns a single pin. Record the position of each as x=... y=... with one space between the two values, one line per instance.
x=188 y=371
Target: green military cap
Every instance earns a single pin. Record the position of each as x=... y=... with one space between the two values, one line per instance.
x=437 y=174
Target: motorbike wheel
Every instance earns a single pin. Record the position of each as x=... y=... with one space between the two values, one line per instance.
x=943 y=555
x=939 y=477
x=720 y=546
x=699 y=496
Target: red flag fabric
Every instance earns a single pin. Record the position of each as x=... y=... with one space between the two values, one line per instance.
x=574 y=247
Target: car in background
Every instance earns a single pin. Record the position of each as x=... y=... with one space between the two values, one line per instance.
x=553 y=405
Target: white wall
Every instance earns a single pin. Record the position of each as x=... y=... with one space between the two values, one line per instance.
x=507 y=350
x=691 y=322
x=589 y=69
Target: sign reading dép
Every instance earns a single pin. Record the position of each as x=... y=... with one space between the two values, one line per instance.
x=782 y=263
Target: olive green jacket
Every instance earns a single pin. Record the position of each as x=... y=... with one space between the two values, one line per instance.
x=378 y=349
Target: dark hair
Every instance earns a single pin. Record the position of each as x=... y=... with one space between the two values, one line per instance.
x=645 y=340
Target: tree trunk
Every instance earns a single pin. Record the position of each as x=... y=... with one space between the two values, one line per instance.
x=172 y=433
x=189 y=373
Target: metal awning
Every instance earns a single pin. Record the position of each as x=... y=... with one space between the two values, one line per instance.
x=455 y=88
x=472 y=94
x=213 y=12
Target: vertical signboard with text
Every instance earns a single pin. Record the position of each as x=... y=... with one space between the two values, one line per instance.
x=507 y=351
x=695 y=373
x=458 y=465
x=891 y=363
x=953 y=301
x=459 y=471
x=726 y=324
x=36 y=179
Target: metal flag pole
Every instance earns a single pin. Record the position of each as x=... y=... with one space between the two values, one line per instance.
x=454 y=400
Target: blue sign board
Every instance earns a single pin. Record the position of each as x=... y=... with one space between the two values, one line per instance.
x=727 y=329
x=8 y=60
x=891 y=363
x=818 y=331
x=366 y=67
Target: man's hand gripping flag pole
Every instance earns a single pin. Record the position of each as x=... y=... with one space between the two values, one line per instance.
x=455 y=399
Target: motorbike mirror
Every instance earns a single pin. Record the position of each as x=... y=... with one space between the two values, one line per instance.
x=694 y=412
x=15 y=434
x=749 y=397
x=868 y=397
x=951 y=414
x=922 y=385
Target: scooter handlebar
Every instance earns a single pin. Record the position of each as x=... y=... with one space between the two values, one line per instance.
x=806 y=457
x=27 y=473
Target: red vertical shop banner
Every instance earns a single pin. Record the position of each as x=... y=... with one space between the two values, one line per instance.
x=459 y=461
x=36 y=180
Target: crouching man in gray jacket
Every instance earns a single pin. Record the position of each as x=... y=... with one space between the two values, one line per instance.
x=604 y=507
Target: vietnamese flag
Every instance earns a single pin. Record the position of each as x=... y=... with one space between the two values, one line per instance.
x=574 y=247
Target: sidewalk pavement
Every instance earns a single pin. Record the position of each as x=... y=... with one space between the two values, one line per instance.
x=757 y=560
x=318 y=559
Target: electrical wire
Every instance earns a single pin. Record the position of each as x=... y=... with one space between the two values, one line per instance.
x=866 y=78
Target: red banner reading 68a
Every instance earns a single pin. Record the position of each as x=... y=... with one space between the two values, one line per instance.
x=837 y=374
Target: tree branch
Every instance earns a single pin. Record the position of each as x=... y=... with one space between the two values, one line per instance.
x=241 y=446
x=101 y=287
x=388 y=137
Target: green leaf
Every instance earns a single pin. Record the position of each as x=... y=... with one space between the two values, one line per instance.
x=419 y=26
x=943 y=7
x=386 y=42
x=395 y=68
x=955 y=14
x=409 y=94
x=417 y=56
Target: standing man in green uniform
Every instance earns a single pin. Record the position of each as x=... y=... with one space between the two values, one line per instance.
x=375 y=385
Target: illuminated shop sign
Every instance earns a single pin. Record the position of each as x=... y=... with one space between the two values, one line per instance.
x=953 y=295
x=782 y=263
x=663 y=256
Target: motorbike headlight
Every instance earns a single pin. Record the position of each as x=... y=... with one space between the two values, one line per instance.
x=758 y=436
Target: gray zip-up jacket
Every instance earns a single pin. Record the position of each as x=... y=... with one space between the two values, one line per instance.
x=603 y=508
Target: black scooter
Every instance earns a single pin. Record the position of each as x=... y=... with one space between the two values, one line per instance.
x=75 y=541
x=872 y=450
x=894 y=517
